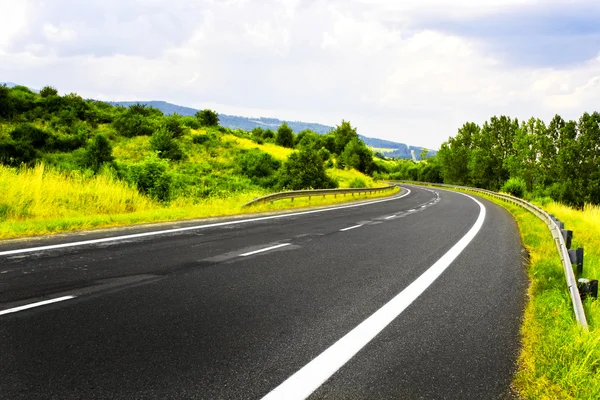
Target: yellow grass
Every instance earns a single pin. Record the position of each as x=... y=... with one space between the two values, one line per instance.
x=42 y=201
x=280 y=153
x=133 y=149
x=345 y=176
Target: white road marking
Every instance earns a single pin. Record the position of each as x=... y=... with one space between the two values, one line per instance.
x=304 y=382
x=390 y=217
x=190 y=228
x=32 y=305
x=351 y=227
x=411 y=210
x=265 y=249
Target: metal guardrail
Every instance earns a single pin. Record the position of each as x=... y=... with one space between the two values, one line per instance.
x=556 y=234
x=317 y=192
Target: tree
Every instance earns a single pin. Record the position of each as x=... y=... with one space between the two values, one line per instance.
x=423 y=155
x=285 y=136
x=305 y=170
x=7 y=108
x=48 y=91
x=98 y=152
x=208 y=117
x=343 y=134
x=357 y=155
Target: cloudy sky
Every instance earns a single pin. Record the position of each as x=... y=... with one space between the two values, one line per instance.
x=411 y=71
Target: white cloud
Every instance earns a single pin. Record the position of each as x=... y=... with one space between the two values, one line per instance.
x=312 y=60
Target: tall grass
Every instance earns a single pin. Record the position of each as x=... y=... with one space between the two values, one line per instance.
x=36 y=201
x=559 y=360
x=280 y=153
x=346 y=176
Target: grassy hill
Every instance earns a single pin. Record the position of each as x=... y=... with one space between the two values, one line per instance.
x=68 y=163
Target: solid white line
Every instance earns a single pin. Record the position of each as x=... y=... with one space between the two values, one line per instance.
x=32 y=305
x=190 y=228
x=315 y=373
x=411 y=210
x=265 y=249
x=351 y=227
x=390 y=217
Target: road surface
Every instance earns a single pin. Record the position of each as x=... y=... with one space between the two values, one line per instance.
x=419 y=296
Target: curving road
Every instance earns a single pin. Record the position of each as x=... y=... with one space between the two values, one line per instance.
x=418 y=296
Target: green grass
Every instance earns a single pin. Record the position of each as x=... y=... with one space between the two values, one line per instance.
x=558 y=360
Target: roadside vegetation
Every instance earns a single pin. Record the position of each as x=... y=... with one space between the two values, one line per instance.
x=68 y=163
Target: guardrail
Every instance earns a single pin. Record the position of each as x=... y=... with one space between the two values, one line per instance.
x=556 y=234
x=317 y=192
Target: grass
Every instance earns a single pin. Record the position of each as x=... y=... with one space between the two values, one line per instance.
x=42 y=201
x=278 y=152
x=345 y=176
x=558 y=360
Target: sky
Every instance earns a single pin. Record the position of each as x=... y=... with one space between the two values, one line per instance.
x=409 y=71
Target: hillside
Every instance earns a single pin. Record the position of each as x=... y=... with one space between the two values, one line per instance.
x=69 y=163
x=385 y=147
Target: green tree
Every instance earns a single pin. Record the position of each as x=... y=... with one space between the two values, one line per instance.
x=304 y=169
x=48 y=91
x=98 y=152
x=174 y=124
x=343 y=134
x=208 y=117
x=357 y=155
x=285 y=136
x=7 y=108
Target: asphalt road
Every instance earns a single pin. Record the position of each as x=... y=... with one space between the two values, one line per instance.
x=236 y=310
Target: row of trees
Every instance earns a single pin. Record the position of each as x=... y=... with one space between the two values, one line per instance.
x=560 y=159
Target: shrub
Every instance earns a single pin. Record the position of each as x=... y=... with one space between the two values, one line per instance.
x=208 y=117
x=152 y=177
x=259 y=166
x=163 y=143
x=304 y=170
x=357 y=183
x=98 y=152
x=174 y=125
x=285 y=136
x=30 y=134
x=133 y=123
x=190 y=122
x=208 y=140
x=16 y=153
x=515 y=186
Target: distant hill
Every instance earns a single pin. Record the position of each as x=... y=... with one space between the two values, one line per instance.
x=385 y=147
x=9 y=84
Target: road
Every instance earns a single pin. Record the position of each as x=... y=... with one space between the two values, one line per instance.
x=417 y=296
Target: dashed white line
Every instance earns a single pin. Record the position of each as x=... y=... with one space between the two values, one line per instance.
x=265 y=249
x=308 y=379
x=350 y=227
x=390 y=217
x=32 y=305
x=411 y=210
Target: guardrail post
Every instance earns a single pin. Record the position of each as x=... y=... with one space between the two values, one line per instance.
x=576 y=257
x=568 y=236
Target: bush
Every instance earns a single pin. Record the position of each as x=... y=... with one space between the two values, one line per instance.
x=133 y=123
x=16 y=153
x=152 y=177
x=163 y=143
x=174 y=125
x=98 y=152
x=357 y=183
x=285 y=136
x=208 y=140
x=305 y=170
x=190 y=122
x=258 y=166
x=515 y=186
x=28 y=133
x=207 y=118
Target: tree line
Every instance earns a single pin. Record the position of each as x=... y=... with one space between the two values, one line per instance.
x=559 y=160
